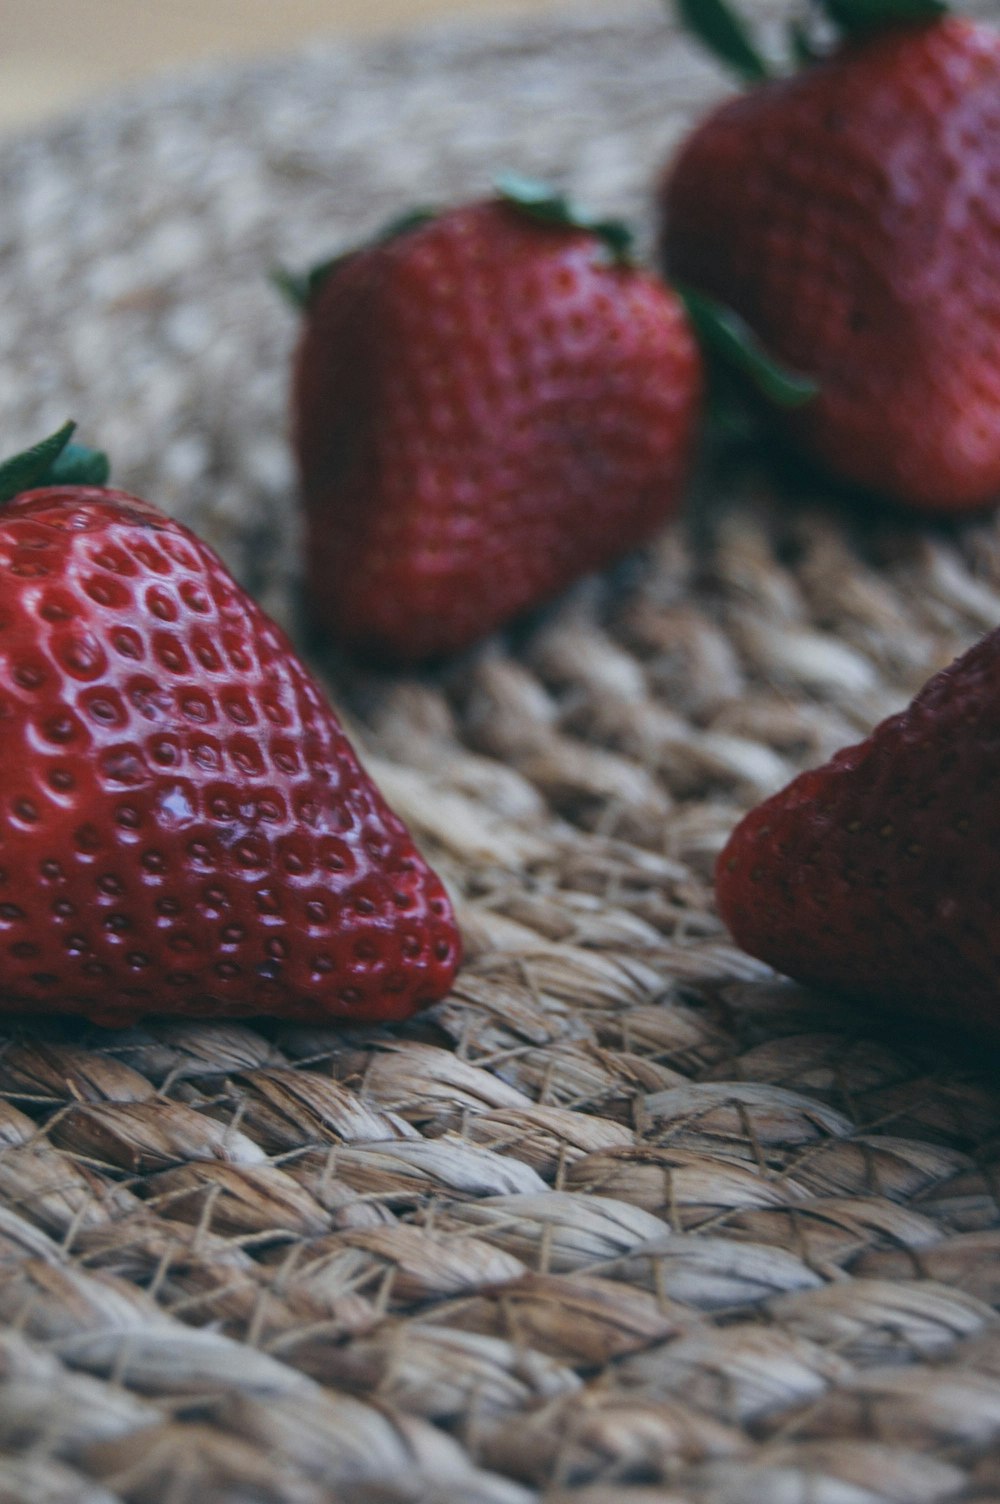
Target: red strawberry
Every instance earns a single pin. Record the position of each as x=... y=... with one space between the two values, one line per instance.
x=878 y=875
x=183 y=827
x=485 y=407
x=851 y=215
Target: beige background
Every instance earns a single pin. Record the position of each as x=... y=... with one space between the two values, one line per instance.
x=54 y=53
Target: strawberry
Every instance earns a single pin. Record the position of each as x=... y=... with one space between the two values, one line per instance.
x=486 y=404
x=184 y=828
x=850 y=214
x=878 y=875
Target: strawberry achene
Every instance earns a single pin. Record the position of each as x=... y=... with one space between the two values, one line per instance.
x=184 y=827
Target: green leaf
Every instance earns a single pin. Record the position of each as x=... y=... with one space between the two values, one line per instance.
x=32 y=466
x=53 y=462
x=723 y=333
x=854 y=16
x=403 y=224
x=550 y=207
x=725 y=35
x=293 y=286
x=78 y=465
x=299 y=288
x=800 y=44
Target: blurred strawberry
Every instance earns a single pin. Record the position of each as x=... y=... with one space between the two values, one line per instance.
x=877 y=875
x=851 y=214
x=487 y=404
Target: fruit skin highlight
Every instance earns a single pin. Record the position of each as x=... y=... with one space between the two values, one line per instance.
x=851 y=214
x=184 y=828
x=485 y=407
x=878 y=874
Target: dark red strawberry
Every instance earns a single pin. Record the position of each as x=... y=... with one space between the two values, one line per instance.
x=851 y=214
x=878 y=875
x=183 y=827
x=486 y=406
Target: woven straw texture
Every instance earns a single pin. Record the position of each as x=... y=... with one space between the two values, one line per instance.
x=626 y=1219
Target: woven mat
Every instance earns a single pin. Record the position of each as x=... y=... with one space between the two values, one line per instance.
x=627 y=1218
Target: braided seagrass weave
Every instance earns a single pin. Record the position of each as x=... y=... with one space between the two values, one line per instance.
x=626 y=1219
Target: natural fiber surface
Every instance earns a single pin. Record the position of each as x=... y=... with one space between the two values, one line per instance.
x=626 y=1220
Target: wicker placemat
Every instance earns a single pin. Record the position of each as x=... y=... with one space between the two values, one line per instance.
x=626 y=1220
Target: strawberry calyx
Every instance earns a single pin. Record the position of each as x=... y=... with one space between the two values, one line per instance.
x=536 y=199
x=299 y=288
x=726 y=36
x=548 y=206
x=853 y=17
x=724 y=32
x=53 y=461
x=725 y=336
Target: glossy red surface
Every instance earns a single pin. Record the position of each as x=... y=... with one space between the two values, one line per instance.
x=183 y=826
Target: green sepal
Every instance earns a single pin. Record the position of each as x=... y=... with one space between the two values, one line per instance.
x=729 y=417
x=540 y=201
x=77 y=465
x=294 y=287
x=53 y=462
x=299 y=288
x=402 y=224
x=725 y=35
x=860 y=16
x=724 y=334
x=800 y=44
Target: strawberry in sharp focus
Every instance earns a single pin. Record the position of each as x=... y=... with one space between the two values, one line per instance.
x=183 y=826
x=851 y=214
x=878 y=875
x=486 y=405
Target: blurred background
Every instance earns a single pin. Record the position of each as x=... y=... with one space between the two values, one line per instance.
x=57 y=53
